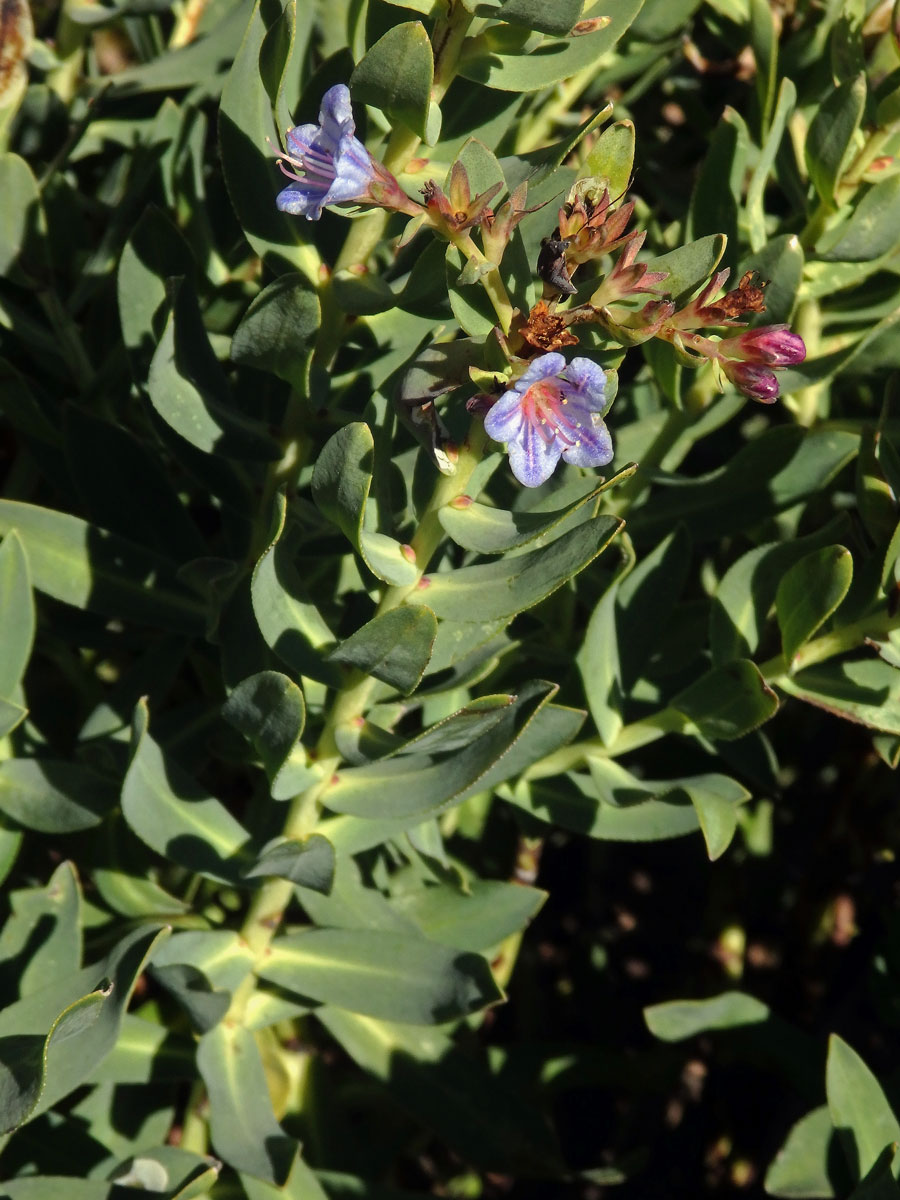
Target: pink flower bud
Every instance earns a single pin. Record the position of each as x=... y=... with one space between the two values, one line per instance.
x=771 y=344
x=754 y=381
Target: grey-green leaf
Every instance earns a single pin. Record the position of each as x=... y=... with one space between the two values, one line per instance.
x=396 y=75
x=675 y=1020
x=727 y=701
x=309 y=863
x=381 y=974
x=176 y=817
x=269 y=710
x=809 y=593
x=394 y=646
x=511 y=585
x=17 y=606
x=243 y=1126
x=859 y=1110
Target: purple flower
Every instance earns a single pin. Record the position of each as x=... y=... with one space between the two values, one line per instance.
x=552 y=411
x=335 y=167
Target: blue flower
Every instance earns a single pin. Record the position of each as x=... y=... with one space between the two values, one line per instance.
x=335 y=167
x=552 y=411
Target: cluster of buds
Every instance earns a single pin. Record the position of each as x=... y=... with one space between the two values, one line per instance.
x=590 y=227
x=746 y=358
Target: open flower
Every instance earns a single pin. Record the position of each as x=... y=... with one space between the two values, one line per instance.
x=334 y=166
x=552 y=411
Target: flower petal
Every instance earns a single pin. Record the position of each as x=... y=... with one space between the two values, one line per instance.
x=539 y=368
x=594 y=448
x=532 y=458
x=335 y=113
x=589 y=379
x=301 y=200
x=352 y=171
x=504 y=420
x=300 y=138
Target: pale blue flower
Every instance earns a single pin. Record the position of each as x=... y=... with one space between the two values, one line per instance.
x=334 y=166
x=552 y=411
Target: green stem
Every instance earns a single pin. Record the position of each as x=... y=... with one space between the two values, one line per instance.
x=195 y=1128
x=269 y=904
x=490 y=281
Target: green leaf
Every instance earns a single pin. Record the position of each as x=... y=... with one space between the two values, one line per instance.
x=599 y=667
x=381 y=974
x=676 y=1020
x=243 y=1127
x=51 y=1040
x=309 y=863
x=873 y=228
x=441 y=765
x=245 y=121
x=288 y=621
x=276 y=329
x=688 y=266
x=90 y=568
x=45 y=924
x=800 y=1168
x=23 y=226
x=54 y=795
x=301 y=1184
x=488 y=530
x=203 y=970
x=133 y=896
x=718 y=192
x=780 y=262
x=506 y=64
x=477 y=918
x=154 y=253
x=341 y=482
x=859 y=1110
x=867 y=692
x=514 y=584
x=831 y=133
x=764 y=40
x=534 y=14
x=661 y=19
x=809 y=593
x=189 y=390
x=451 y=1092
x=748 y=588
x=776 y=470
x=17 y=606
x=718 y=819
x=728 y=701
x=755 y=207
x=145 y=1051
x=612 y=157
x=613 y=805
x=11 y=715
x=394 y=646
x=646 y=600
x=175 y=816
x=396 y=75
x=269 y=710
